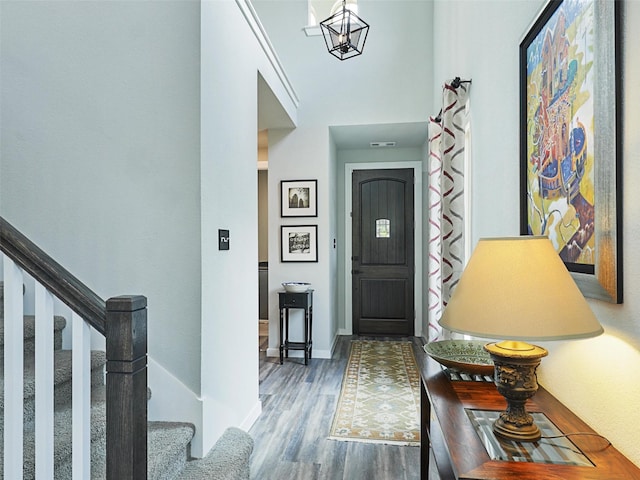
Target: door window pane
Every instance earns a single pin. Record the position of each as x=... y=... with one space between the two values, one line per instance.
x=383 y=229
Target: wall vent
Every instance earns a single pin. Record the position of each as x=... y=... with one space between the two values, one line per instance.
x=382 y=144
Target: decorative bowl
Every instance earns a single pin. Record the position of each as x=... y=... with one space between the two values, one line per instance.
x=466 y=356
x=296 y=287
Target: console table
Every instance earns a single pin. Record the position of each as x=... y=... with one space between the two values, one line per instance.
x=449 y=427
x=289 y=300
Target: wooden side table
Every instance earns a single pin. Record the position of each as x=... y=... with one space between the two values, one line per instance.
x=449 y=426
x=289 y=300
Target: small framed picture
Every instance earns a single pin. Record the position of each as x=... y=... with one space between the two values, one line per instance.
x=299 y=198
x=299 y=243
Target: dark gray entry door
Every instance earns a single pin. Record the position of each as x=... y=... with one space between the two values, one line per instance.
x=383 y=252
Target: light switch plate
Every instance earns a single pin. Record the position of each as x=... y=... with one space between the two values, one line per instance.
x=223 y=239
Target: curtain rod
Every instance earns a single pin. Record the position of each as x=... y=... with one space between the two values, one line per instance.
x=455 y=83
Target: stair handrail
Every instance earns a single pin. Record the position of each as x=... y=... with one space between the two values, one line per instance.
x=58 y=280
x=122 y=320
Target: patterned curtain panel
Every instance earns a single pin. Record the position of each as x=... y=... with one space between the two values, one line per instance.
x=445 y=222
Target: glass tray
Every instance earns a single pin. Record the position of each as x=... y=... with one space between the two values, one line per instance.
x=557 y=451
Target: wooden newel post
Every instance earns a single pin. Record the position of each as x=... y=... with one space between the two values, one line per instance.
x=126 y=334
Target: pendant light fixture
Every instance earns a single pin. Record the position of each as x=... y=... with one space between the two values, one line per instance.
x=344 y=33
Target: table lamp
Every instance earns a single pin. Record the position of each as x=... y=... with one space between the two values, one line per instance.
x=517 y=290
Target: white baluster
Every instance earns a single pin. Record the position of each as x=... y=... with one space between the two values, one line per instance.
x=81 y=398
x=44 y=383
x=13 y=370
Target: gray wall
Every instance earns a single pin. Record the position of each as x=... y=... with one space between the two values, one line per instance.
x=100 y=153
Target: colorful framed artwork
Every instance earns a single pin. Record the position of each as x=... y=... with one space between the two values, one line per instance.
x=299 y=198
x=299 y=243
x=570 y=139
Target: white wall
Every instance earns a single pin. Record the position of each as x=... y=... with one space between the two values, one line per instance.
x=389 y=83
x=229 y=201
x=287 y=149
x=229 y=281
x=597 y=378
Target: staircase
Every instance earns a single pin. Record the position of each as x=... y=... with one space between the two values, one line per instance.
x=168 y=442
x=92 y=424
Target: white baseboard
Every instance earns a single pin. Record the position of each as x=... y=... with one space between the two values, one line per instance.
x=335 y=342
x=251 y=418
x=273 y=352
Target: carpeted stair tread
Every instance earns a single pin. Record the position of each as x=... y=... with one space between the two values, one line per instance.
x=168 y=448
x=62 y=436
x=61 y=372
x=167 y=451
x=62 y=382
x=30 y=333
x=227 y=460
x=59 y=322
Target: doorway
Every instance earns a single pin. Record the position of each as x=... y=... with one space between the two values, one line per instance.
x=349 y=169
x=383 y=252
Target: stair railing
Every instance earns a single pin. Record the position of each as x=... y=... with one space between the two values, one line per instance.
x=123 y=322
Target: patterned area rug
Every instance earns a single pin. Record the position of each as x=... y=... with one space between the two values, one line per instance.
x=380 y=397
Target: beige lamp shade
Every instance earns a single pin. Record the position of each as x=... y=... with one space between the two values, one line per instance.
x=518 y=288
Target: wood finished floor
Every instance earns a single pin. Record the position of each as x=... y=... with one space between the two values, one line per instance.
x=298 y=403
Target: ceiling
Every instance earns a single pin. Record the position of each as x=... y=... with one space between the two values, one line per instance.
x=405 y=135
x=358 y=137
x=271 y=114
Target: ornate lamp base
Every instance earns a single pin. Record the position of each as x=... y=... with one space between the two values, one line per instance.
x=516 y=380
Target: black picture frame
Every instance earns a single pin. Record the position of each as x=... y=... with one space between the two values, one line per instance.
x=571 y=139
x=298 y=243
x=299 y=198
